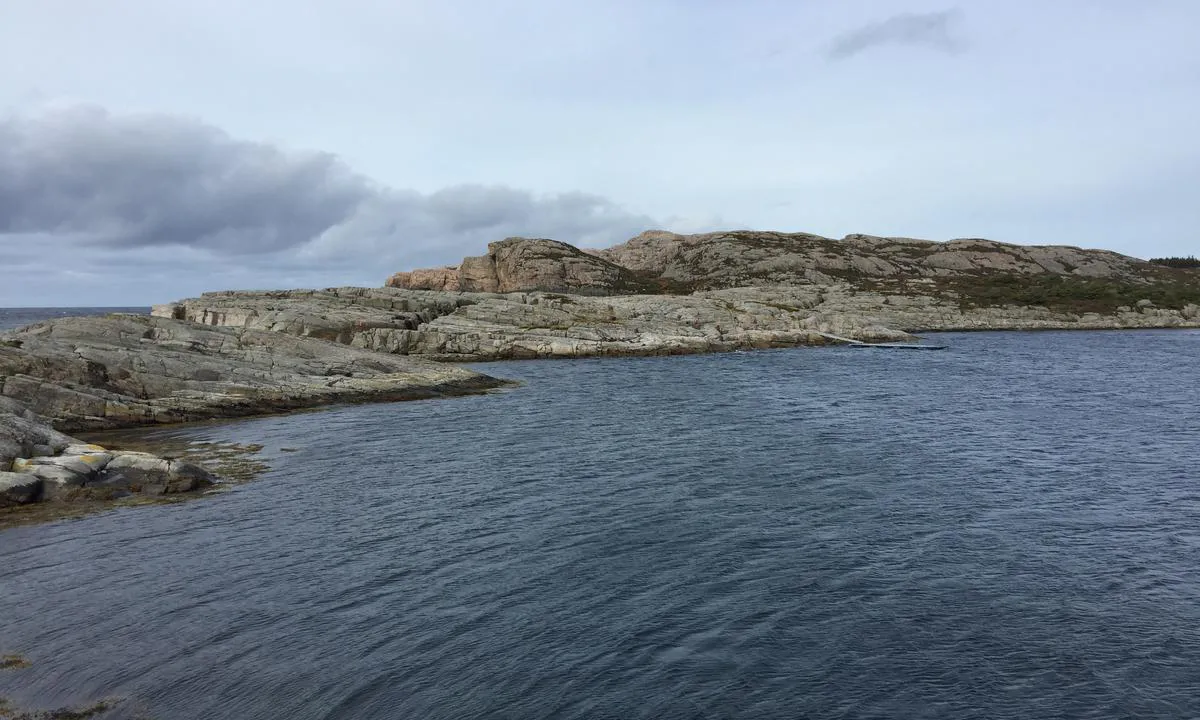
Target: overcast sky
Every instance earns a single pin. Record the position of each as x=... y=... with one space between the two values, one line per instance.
x=151 y=150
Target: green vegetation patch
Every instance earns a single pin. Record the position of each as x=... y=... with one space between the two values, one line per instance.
x=1069 y=293
x=1191 y=261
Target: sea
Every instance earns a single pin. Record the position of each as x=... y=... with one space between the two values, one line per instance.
x=1009 y=528
x=12 y=318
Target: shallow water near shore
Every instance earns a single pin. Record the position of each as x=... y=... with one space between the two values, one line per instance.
x=1006 y=529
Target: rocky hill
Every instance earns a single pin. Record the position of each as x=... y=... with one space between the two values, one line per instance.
x=743 y=258
x=523 y=265
x=973 y=272
x=662 y=293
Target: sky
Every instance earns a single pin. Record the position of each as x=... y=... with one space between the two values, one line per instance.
x=154 y=150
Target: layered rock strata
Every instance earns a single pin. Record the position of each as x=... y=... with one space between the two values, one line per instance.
x=122 y=371
x=484 y=326
x=80 y=374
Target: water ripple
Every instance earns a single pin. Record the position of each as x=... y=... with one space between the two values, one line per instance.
x=1007 y=529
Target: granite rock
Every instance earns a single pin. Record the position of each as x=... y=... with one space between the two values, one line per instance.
x=525 y=264
x=120 y=371
x=493 y=326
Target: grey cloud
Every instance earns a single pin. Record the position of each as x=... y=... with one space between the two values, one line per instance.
x=151 y=191
x=146 y=180
x=450 y=223
x=932 y=30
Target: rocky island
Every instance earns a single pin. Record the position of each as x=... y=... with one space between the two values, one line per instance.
x=231 y=354
x=662 y=293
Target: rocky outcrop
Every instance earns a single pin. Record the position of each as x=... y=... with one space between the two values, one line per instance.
x=744 y=258
x=24 y=434
x=40 y=464
x=725 y=282
x=522 y=265
x=491 y=326
x=334 y=314
x=534 y=325
x=77 y=374
x=442 y=279
x=663 y=262
x=121 y=371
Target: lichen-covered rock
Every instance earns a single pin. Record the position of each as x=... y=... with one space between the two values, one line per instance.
x=49 y=466
x=86 y=465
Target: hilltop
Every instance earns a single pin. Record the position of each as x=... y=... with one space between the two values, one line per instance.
x=973 y=272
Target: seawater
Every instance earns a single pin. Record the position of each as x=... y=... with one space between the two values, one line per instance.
x=11 y=318
x=1009 y=528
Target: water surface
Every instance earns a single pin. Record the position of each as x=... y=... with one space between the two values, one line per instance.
x=1006 y=529
x=11 y=318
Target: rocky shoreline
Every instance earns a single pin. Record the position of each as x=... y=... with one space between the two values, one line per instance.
x=74 y=375
x=662 y=293
x=234 y=354
x=465 y=326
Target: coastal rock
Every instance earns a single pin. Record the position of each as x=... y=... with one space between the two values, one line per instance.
x=86 y=465
x=23 y=434
x=19 y=489
x=139 y=466
x=524 y=264
x=57 y=481
x=727 y=290
x=491 y=326
x=73 y=470
x=185 y=477
x=532 y=325
x=142 y=472
x=74 y=374
x=333 y=314
x=120 y=371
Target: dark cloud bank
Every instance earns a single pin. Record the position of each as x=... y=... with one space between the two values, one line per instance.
x=935 y=30
x=82 y=184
